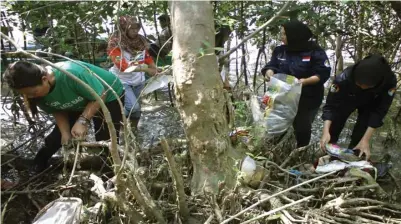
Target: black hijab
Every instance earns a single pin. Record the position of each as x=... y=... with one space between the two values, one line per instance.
x=298 y=35
x=373 y=70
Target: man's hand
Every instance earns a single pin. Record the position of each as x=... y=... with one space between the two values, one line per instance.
x=363 y=146
x=79 y=130
x=325 y=139
x=269 y=73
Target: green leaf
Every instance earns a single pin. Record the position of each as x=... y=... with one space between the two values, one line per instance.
x=201 y=51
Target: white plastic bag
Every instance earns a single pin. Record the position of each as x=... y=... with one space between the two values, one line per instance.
x=281 y=103
x=60 y=211
x=156 y=83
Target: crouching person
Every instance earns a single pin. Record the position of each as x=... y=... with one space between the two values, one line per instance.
x=369 y=87
x=72 y=106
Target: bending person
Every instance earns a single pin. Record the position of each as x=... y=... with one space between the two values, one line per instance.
x=72 y=106
x=369 y=87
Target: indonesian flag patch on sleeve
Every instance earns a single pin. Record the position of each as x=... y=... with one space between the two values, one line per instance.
x=391 y=92
x=327 y=63
x=306 y=58
x=334 y=88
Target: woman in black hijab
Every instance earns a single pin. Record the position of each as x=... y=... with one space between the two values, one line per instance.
x=306 y=60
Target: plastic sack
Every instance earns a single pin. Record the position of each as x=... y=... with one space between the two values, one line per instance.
x=156 y=83
x=60 y=211
x=280 y=103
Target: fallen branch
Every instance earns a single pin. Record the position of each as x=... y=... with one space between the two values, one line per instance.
x=5 y=207
x=357 y=201
x=75 y=164
x=209 y=219
x=277 y=210
x=338 y=189
x=178 y=181
x=100 y=191
x=293 y=152
x=99 y=144
x=276 y=194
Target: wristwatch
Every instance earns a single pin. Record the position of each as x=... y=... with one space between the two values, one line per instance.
x=83 y=120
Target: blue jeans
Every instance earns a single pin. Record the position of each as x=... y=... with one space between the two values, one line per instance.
x=132 y=104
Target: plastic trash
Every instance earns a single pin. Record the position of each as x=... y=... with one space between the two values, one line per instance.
x=283 y=95
x=156 y=83
x=248 y=169
x=60 y=211
x=276 y=110
x=337 y=165
x=342 y=153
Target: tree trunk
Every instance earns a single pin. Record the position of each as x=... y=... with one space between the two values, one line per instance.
x=200 y=97
x=339 y=55
x=359 y=44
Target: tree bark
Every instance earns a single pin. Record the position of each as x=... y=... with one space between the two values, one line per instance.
x=359 y=44
x=200 y=97
x=339 y=54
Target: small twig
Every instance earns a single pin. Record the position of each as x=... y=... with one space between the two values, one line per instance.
x=5 y=207
x=277 y=210
x=37 y=191
x=98 y=144
x=356 y=201
x=216 y=209
x=75 y=164
x=280 y=168
x=341 y=180
x=358 y=219
x=34 y=202
x=32 y=178
x=178 y=181
x=209 y=219
x=274 y=195
x=161 y=194
x=293 y=152
x=339 y=189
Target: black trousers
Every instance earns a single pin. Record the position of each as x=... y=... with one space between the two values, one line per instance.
x=360 y=127
x=53 y=140
x=307 y=110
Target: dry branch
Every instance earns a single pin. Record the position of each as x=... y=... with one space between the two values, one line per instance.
x=274 y=195
x=178 y=181
x=277 y=210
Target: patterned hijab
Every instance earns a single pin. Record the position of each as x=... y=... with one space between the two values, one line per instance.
x=120 y=39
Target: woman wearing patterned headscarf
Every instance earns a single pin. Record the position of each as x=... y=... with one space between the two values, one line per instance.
x=129 y=52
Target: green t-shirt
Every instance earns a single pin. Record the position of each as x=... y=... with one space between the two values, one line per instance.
x=69 y=95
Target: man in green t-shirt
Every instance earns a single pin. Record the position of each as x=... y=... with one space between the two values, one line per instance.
x=71 y=104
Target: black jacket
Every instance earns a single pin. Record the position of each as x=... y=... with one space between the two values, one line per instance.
x=345 y=95
x=302 y=65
